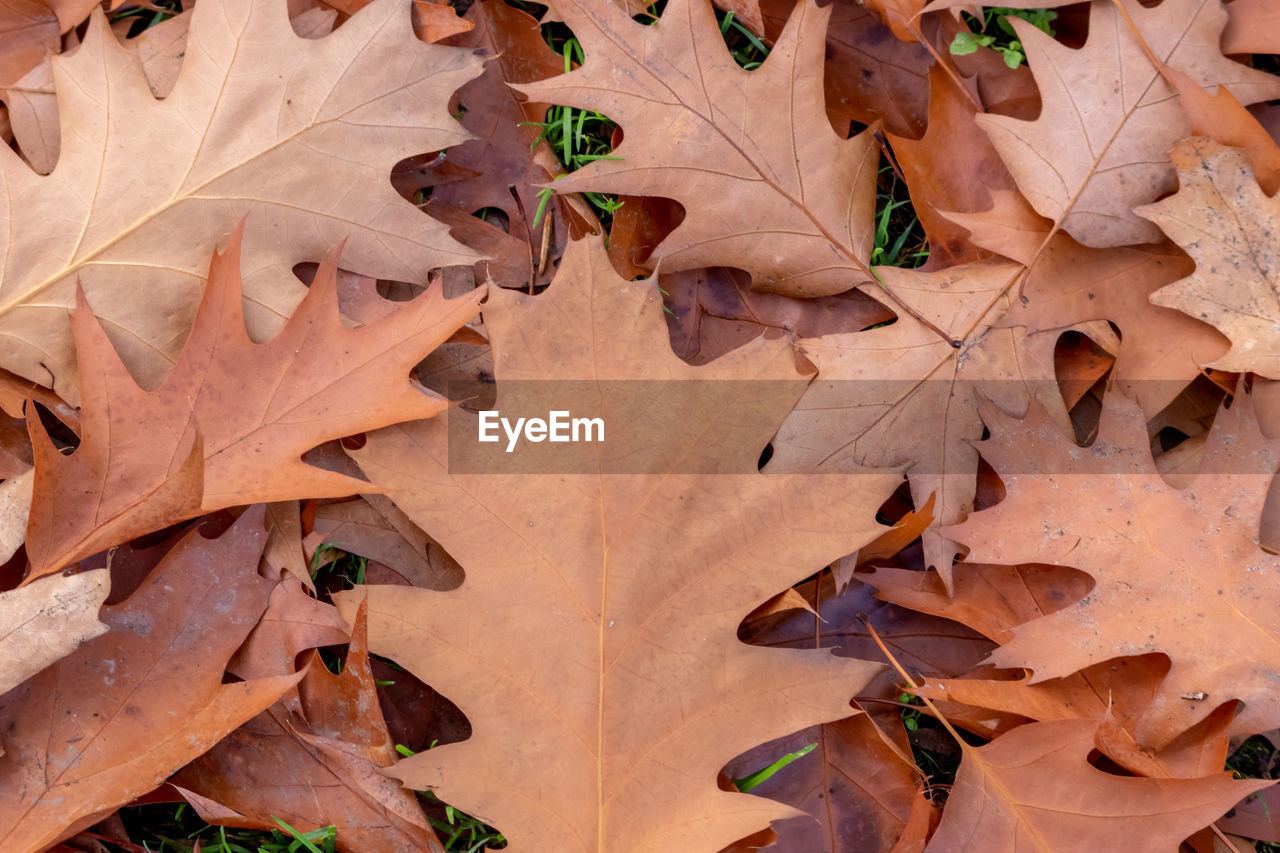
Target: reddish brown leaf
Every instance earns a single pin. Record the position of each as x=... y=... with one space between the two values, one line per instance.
x=500 y=168
x=1176 y=571
x=1033 y=790
x=855 y=790
x=953 y=167
x=434 y=21
x=869 y=74
x=318 y=766
x=232 y=420
x=128 y=708
x=789 y=201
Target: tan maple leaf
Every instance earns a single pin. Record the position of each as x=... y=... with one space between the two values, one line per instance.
x=1097 y=149
x=1177 y=571
x=229 y=425
x=603 y=607
x=1228 y=225
x=301 y=132
x=766 y=184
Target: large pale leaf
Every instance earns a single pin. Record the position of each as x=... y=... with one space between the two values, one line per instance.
x=603 y=608
x=260 y=120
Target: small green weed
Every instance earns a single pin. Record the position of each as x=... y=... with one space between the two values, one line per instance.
x=333 y=569
x=995 y=32
x=145 y=16
x=177 y=829
x=910 y=717
x=460 y=832
x=169 y=829
x=899 y=239
x=751 y=780
x=1256 y=758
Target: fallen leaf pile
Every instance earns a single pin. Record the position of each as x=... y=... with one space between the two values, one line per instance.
x=937 y=385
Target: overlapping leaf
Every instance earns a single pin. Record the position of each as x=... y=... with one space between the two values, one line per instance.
x=1033 y=790
x=644 y=577
x=125 y=710
x=1177 y=571
x=901 y=395
x=231 y=422
x=1097 y=149
x=255 y=115
x=776 y=193
x=1224 y=220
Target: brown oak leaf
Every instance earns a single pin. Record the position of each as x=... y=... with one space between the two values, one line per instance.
x=1097 y=149
x=260 y=120
x=316 y=763
x=1177 y=571
x=1033 y=790
x=604 y=606
x=230 y=424
x=900 y=395
x=112 y=720
x=767 y=185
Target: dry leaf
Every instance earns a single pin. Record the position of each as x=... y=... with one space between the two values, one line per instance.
x=778 y=194
x=256 y=114
x=317 y=767
x=1177 y=571
x=644 y=596
x=1033 y=790
x=1068 y=284
x=1224 y=220
x=1251 y=27
x=901 y=395
x=15 y=507
x=231 y=422
x=953 y=167
x=1096 y=150
x=856 y=790
x=500 y=169
x=44 y=622
x=868 y=75
x=128 y=708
